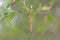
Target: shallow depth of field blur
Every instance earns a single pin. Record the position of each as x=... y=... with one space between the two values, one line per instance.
x=44 y=16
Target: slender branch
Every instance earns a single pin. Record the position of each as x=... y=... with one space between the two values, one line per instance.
x=17 y=8
x=12 y=4
x=28 y=15
x=30 y=20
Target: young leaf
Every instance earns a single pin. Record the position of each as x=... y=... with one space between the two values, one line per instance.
x=11 y=16
x=50 y=18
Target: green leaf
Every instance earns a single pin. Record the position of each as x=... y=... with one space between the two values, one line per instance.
x=11 y=16
x=50 y=18
x=33 y=17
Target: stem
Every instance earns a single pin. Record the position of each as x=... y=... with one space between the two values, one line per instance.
x=12 y=4
x=17 y=8
x=30 y=23
x=30 y=20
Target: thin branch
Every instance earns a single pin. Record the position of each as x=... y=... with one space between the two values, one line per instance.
x=16 y=8
x=12 y=4
x=28 y=15
x=30 y=20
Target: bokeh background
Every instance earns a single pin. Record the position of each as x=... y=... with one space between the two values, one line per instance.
x=14 y=23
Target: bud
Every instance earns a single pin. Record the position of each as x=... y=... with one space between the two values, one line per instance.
x=31 y=6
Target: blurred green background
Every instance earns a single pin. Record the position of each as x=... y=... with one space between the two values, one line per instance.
x=14 y=23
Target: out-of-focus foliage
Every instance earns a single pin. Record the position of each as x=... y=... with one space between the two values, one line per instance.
x=15 y=26
x=50 y=18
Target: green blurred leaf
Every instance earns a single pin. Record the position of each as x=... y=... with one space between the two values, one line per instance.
x=11 y=16
x=50 y=18
x=33 y=16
